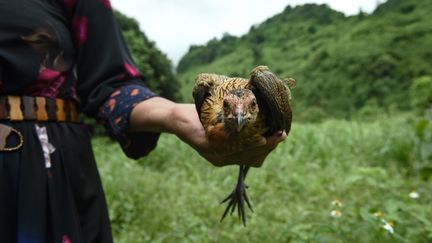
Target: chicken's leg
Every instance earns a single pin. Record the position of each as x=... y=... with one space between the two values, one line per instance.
x=238 y=196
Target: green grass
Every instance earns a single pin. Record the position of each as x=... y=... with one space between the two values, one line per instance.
x=173 y=195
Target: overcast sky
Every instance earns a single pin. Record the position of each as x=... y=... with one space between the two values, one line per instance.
x=175 y=25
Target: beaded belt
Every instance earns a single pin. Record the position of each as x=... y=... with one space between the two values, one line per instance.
x=41 y=109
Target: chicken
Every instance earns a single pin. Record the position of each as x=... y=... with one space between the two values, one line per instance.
x=237 y=112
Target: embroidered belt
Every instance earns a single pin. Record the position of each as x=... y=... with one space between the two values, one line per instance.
x=28 y=108
x=40 y=109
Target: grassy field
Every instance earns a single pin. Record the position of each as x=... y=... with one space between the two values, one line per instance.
x=370 y=167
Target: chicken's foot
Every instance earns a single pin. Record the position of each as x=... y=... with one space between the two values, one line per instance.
x=238 y=196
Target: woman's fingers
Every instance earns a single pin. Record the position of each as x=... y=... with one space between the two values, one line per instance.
x=256 y=158
x=276 y=138
x=271 y=141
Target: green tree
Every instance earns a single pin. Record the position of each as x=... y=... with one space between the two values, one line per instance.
x=154 y=64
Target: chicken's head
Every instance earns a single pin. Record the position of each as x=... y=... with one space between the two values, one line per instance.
x=240 y=108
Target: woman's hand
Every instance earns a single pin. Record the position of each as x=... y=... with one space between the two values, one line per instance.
x=161 y=115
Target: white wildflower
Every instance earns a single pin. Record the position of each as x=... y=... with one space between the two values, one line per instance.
x=389 y=226
x=378 y=214
x=337 y=203
x=336 y=213
x=414 y=195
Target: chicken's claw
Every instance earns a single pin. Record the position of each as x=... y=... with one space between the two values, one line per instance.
x=238 y=196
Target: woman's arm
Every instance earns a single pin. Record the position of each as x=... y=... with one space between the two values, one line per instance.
x=162 y=115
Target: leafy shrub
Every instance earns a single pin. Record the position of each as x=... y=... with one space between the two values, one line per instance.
x=311 y=114
x=423 y=132
x=421 y=93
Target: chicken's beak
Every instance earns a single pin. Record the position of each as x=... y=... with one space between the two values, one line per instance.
x=239 y=121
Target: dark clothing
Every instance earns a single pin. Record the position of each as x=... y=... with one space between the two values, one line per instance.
x=56 y=204
x=70 y=49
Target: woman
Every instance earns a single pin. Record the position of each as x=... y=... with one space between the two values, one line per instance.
x=57 y=57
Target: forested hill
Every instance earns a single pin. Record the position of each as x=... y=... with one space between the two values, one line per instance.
x=343 y=65
x=149 y=59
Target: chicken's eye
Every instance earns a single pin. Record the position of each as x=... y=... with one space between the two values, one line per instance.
x=225 y=104
x=254 y=103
